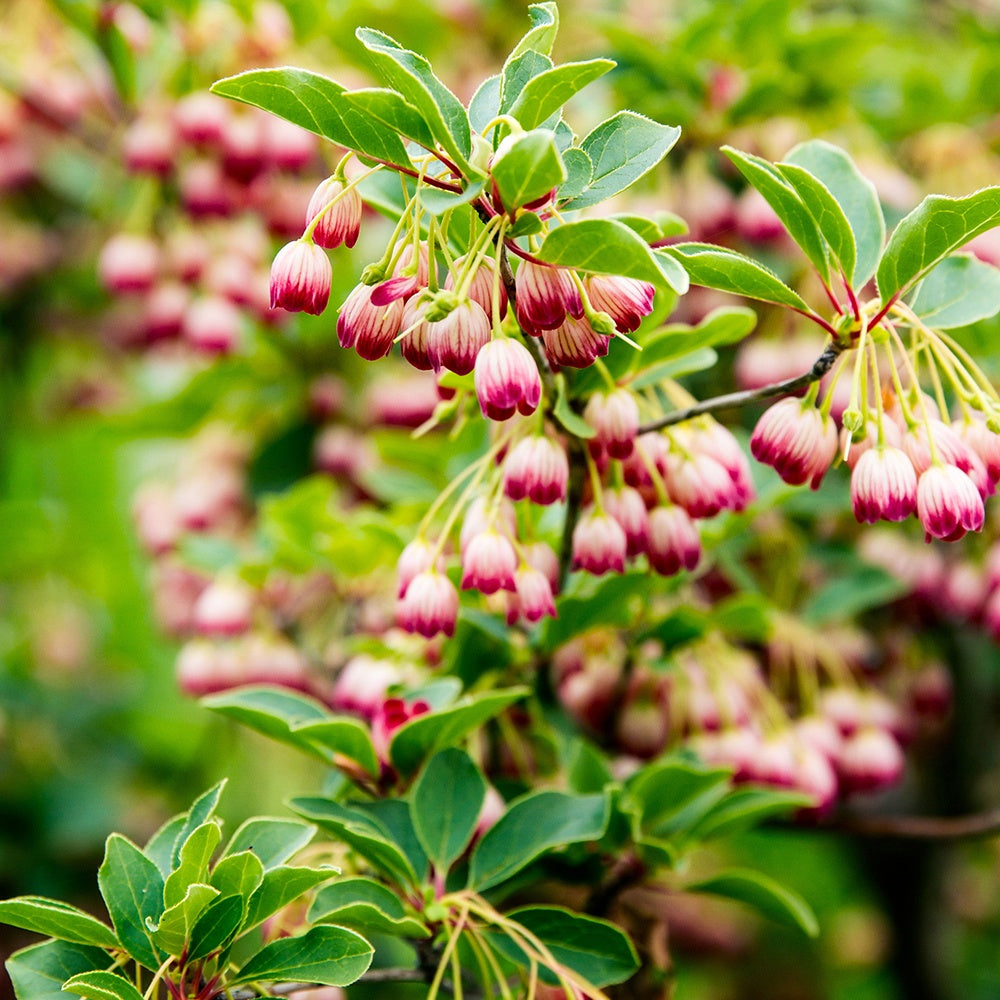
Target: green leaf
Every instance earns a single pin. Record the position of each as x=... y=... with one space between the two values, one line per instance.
x=445 y=805
x=516 y=75
x=728 y=271
x=273 y=711
x=160 y=847
x=533 y=825
x=548 y=91
x=420 y=737
x=102 y=986
x=744 y=808
x=238 y=874
x=438 y=202
x=725 y=325
x=485 y=103
x=38 y=972
x=390 y=109
x=273 y=840
x=364 y=905
x=56 y=919
x=394 y=817
x=856 y=196
x=845 y=596
x=316 y=103
x=174 y=928
x=686 y=364
x=195 y=854
x=342 y=736
x=622 y=149
x=608 y=246
x=787 y=205
x=612 y=600
x=132 y=887
x=568 y=418
x=281 y=886
x=826 y=212
x=541 y=36
x=764 y=894
x=364 y=833
x=935 y=228
x=217 y=926
x=667 y=797
x=526 y=167
x=202 y=809
x=333 y=956
x=959 y=291
x=411 y=75
x=594 y=949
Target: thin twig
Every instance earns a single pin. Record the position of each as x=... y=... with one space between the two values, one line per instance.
x=822 y=365
x=986 y=824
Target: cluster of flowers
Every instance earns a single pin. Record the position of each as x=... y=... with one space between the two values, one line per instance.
x=904 y=455
x=717 y=700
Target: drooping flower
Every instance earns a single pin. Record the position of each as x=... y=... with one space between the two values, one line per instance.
x=225 y=608
x=368 y=328
x=455 y=341
x=674 y=543
x=625 y=300
x=797 y=440
x=699 y=484
x=574 y=344
x=537 y=468
x=545 y=295
x=340 y=224
x=430 y=605
x=481 y=287
x=532 y=598
x=489 y=563
x=628 y=508
x=417 y=557
x=948 y=503
x=128 y=263
x=599 y=543
x=301 y=275
x=615 y=419
x=883 y=486
x=507 y=380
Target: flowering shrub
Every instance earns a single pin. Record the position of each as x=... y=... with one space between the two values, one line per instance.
x=590 y=662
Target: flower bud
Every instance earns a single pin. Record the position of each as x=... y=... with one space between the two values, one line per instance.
x=339 y=224
x=455 y=342
x=368 y=328
x=599 y=544
x=615 y=419
x=545 y=295
x=537 y=468
x=674 y=543
x=883 y=486
x=797 y=440
x=628 y=508
x=532 y=598
x=948 y=503
x=429 y=606
x=625 y=300
x=128 y=263
x=300 y=278
x=870 y=760
x=212 y=325
x=225 y=608
x=507 y=380
x=488 y=563
x=574 y=344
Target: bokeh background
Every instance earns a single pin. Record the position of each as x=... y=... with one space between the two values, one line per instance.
x=104 y=393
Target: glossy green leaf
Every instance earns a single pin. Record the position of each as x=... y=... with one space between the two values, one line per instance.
x=445 y=804
x=935 y=228
x=485 y=103
x=366 y=906
x=192 y=866
x=546 y=92
x=160 y=847
x=202 y=809
x=608 y=246
x=541 y=36
x=281 y=886
x=55 y=919
x=132 y=887
x=594 y=949
x=102 y=986
x=622 y=149
x=786 y=203
x=526 y=168
x=364 y=833
x=275 y=712
x=238 y=874
x=667 y=794
x=959 y=291
x=273 y=840
x=417 y=739
x=826 y=212
x=333 y=956
x=390 y=109
x=217 y=926
x=393 y=815
x=686 y=364
x=38 y=972
x=343 y=736
x=411 y=75
x=568 y=418
x=516 y=75
x=173 y=930
x=728 y=271
x=856 y=196
x=316 y=103
x=533 y=825
x=745 y=808
x=765 y=895
x=591 y=601
x=725 y=325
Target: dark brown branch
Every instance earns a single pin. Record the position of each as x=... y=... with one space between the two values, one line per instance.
x=985 y=824
x=822 y=365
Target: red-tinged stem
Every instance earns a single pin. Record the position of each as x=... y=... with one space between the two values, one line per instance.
x=818 y=320
x=833 y=298
x=423 y=178
x=880 y=315
x=524 y=255
x=852 y=298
